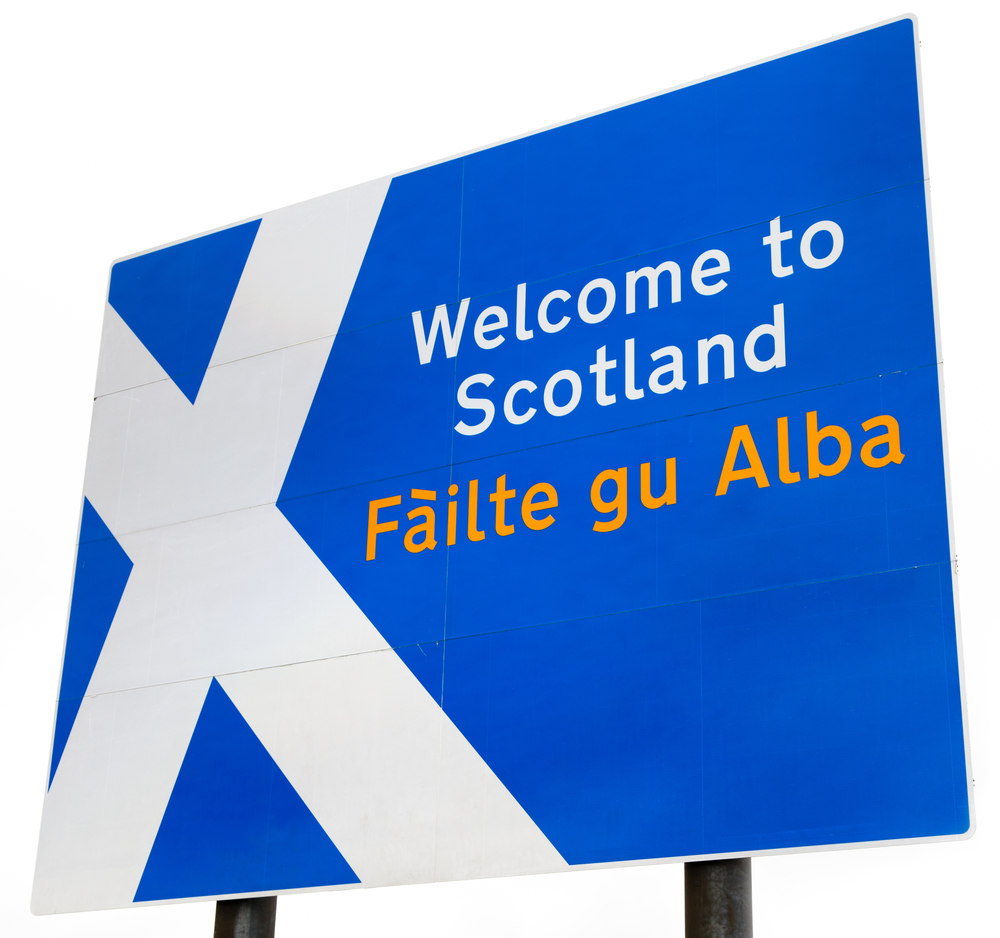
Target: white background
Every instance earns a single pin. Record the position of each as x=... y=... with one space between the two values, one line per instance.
x=127 y=125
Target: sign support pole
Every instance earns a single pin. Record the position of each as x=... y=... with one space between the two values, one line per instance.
x=717 y=899
x=245 y=918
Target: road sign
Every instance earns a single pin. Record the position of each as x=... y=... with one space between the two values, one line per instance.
x=578 y=501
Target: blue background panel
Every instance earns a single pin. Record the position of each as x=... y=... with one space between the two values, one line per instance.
x=821 y=713
x=772 y=667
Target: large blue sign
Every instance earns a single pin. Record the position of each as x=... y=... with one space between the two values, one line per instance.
x=631 y=446
x=581 y=500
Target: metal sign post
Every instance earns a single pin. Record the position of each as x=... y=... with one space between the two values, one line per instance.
x=718 y=899
x=246 y=918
